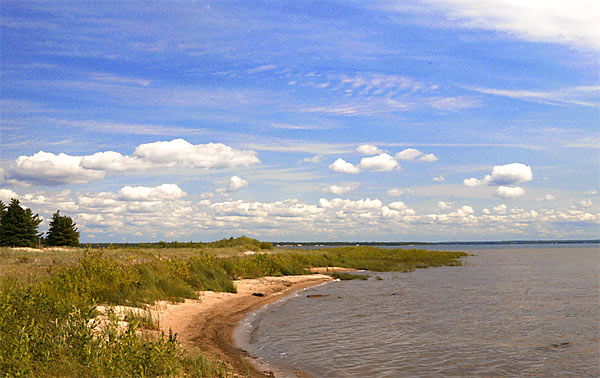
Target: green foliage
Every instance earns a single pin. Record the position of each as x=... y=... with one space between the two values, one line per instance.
x=349 y=276
x=242 y=242
x=18 y=226
x=62 y=231
x=47 y=325
x=379 y=259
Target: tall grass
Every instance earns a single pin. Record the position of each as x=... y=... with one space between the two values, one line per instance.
x=47 y=303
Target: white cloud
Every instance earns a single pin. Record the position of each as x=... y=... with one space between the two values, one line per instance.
x=408 y=154
x=368 y=149
x=508 y=174
x=342 y=166
x=112 y=161
x=314 y=159
x=455 y=103
x=46 y=168
x=6 y=195
x=443 y=205
x=500 y=209
x=380 y=163
x=472 y=182
x=583 y=95
x=49 y=169
x=181 y=152
x=396 y=192
x=428 y=158
x=144 y=193
x=590 y=192
x=509 y=191
x=438 y=179
x=573 y=22
x=546 y=197
x=360 y=205
x=586 y=203
x=341 y=189
x=236 y=183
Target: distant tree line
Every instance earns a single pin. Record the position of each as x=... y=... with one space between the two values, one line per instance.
x=19 y=228
x=242 y=242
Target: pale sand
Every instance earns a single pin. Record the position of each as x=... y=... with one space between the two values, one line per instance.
x=208 y=323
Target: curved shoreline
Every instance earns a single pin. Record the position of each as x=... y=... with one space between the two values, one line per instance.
x=208 y=323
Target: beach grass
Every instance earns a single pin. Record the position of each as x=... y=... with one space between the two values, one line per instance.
x=342 y=276
x=48 y=320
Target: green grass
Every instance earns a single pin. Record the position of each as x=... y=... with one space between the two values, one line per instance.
x=48 y=299
x=349 y=276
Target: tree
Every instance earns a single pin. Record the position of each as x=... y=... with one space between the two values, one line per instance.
x=62 y=231
x=18 y=227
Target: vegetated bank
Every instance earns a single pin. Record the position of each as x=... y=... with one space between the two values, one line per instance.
x=48 y=300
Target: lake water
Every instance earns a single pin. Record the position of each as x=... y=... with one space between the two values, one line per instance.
x=508 y=311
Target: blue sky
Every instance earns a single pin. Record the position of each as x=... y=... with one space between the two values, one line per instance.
x=420 y=120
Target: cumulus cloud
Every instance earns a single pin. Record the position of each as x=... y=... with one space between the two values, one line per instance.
x=368 y=149
x=6 y=195
x=438 y=179
x=144 y=193
x=342 y=166
x=586 y=203
x=379 y=163
x=408 y=154
x=112 y=161
x=509 y=191
x=472 y=182
x=428 y=158
x=181 y=152
x=341 y=189
x=349 y=205
x=508 y=174
x=49 y=169
x=46 y=168
x=396 y=210
x=396 y=192
x=500 y=209
x=236 y=183
x=443 y=205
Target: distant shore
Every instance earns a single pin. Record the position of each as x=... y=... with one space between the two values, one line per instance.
x=208 y=322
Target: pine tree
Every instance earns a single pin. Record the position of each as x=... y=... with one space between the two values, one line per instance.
x=62 y=231
x=18 y=227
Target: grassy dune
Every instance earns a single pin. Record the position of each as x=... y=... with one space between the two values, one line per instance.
x=48 y=299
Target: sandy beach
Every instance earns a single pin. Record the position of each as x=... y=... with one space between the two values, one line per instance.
x=208 y=322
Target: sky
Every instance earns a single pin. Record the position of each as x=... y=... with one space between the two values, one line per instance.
x=438 y=120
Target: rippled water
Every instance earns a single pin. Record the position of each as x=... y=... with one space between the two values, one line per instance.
x=506 y=312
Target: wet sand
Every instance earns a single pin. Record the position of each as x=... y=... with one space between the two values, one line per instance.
x=208 y=322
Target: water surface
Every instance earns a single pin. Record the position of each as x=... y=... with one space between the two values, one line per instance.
x=517 y=311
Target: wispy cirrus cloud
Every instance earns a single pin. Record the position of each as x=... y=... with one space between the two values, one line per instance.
x=583 y=95
x=573 y=23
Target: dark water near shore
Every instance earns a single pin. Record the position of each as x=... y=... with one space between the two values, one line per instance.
x=508 y=311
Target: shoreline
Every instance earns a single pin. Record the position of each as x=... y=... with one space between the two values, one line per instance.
x=208 y=323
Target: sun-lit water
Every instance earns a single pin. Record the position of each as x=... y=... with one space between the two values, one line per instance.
x=515 y=311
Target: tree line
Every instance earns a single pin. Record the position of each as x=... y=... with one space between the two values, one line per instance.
x=19 y=228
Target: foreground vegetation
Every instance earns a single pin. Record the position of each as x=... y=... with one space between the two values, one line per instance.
x=48 y=323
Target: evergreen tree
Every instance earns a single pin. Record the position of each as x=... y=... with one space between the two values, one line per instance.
x=62 y=231
x=18 y=227
x=3 y=209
